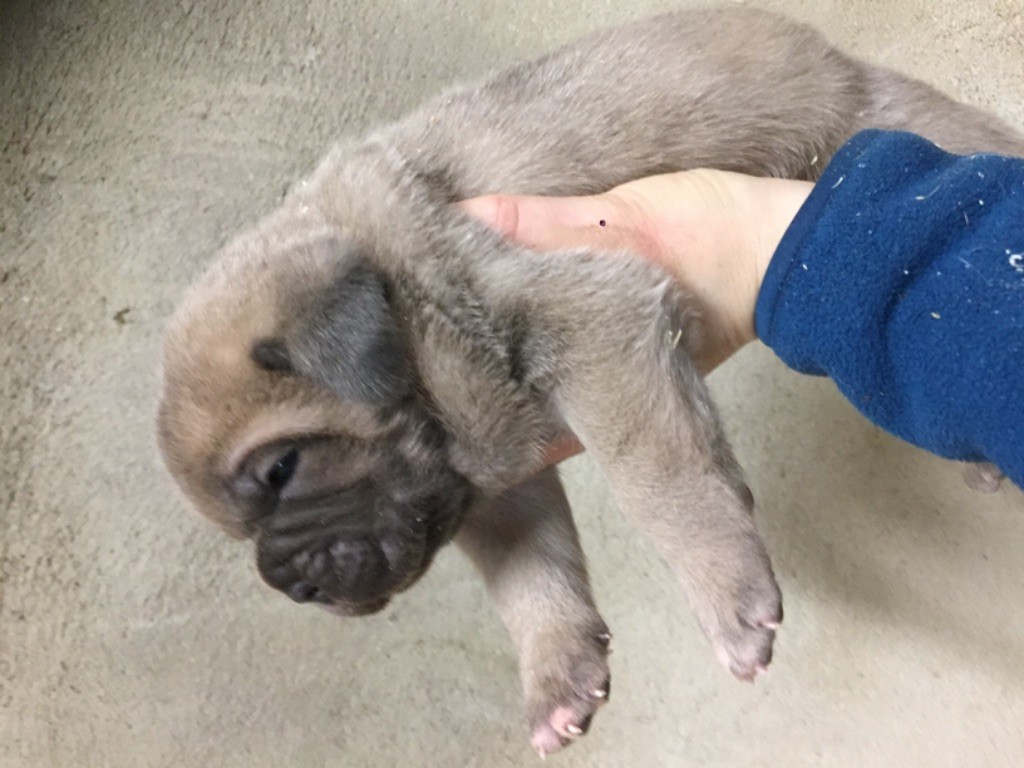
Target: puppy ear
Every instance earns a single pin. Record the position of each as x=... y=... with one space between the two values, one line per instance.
x=350 y=341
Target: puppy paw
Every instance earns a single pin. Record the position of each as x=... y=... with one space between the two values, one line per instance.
x=983 y=478
x=567 y=682
x=742 y=626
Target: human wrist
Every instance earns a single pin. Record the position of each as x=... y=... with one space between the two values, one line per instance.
x=776 y=204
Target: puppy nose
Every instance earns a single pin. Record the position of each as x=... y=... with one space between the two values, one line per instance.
x=349 y=570
x=304 y=592
x=343 y=571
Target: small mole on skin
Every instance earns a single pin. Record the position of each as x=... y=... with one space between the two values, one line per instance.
x=603 y=223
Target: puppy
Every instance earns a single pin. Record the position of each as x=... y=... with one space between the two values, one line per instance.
x=367 y=373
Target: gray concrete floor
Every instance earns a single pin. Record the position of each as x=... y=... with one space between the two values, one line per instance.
x=134 y=138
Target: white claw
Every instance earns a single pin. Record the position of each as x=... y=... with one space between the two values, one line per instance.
x=575 y=730
x=599 y=693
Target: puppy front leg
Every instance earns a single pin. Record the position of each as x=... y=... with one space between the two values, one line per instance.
x=526 y=546
x=659 y=442
x=624 y=382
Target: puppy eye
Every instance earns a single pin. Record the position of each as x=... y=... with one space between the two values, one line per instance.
x=281 y=471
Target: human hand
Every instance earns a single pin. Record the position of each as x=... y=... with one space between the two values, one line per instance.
x=713 y=231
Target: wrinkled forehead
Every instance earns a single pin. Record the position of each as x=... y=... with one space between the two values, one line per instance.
x=257 y=278
x=216 y=401
x=256 y=285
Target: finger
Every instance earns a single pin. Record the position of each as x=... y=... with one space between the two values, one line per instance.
x=553 y=223
x=499 y=212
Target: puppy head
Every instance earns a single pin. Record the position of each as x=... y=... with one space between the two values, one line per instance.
x=289 y=415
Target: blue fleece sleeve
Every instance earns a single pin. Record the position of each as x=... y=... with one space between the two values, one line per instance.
x=902 y=278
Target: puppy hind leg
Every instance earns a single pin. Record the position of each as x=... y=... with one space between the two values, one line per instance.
x=526 y=546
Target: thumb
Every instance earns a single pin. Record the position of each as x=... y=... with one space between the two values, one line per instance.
x=552 y=223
